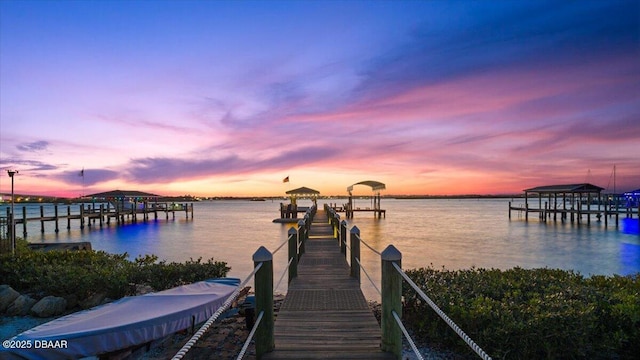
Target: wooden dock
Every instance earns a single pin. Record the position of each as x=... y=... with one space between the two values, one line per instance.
x=88 y=214
x=325 y=314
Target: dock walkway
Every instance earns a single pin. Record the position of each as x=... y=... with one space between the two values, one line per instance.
x=325 y=314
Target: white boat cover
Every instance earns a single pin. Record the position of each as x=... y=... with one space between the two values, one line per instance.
x=127 y=322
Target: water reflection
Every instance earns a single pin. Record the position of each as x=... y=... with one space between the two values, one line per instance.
x=456 y=234
x=630 y=226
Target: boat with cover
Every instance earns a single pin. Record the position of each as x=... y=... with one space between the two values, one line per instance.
x=125 y=323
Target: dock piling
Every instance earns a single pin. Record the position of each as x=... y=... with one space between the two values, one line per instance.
x=355 y=253
x=293 y=253
x=265 y=339
x=343 y=238
x=391 y=301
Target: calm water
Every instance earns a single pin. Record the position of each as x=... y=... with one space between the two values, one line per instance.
x=456 y=234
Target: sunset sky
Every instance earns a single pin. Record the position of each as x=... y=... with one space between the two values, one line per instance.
x=220 y=98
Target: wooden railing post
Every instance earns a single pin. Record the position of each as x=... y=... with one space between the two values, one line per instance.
x=293 y=253
x=355 y=252
x=302 y=235
x=24 y=221
x=343 y=238
x=265 y=339
x=391 y=301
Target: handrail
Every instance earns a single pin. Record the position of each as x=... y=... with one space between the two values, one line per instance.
x=185 y=349
x=369 y=277
x=355 y=235
x=280 y=247
x=369 y=246
x=250 y=337
x=407 y=336
x=444 y=316
x=286 y=269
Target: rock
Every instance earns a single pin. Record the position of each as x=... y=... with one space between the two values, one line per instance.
x=49 y=306
x=92 y=301
x=21 y=306
x=143 y=289
x=7 y=297
x=72 y=301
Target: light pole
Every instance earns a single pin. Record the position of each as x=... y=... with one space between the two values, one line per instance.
x=13 y=216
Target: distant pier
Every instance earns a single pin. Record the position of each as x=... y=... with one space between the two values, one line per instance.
x=572 y=202
x=90 y=214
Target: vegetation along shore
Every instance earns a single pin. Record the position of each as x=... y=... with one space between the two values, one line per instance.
x=512 y=314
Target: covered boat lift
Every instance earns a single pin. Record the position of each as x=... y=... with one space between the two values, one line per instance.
x=289 y=212
x=376 y=187
x=132 y=202
x=574 y=200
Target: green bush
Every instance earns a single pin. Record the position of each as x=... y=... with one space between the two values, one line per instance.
x=539 y=313
x=84 y=273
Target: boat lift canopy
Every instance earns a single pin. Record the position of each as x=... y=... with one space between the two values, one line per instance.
x=375 y=185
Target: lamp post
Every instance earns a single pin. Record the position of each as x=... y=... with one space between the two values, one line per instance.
x=13 y=216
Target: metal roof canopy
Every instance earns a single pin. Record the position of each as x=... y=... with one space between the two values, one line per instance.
x=565 y=188
x=122 y=194
x=375 y=185
x=303 y=191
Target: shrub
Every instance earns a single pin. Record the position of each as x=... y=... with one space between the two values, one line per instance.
x=539 y=313
x=84 y=273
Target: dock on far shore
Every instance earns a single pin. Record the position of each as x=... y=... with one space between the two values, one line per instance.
x=573 y=202
x=88 y=214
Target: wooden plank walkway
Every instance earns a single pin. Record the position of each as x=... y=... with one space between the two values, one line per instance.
x=325 y=314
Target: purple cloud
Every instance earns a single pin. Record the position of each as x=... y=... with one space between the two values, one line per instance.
x=33 y=146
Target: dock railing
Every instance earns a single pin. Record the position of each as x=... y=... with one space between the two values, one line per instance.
x=391 y=290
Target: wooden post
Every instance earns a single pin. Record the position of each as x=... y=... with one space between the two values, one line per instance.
x=265 y=339
x=293 y=253
x=302 y=236
x=540 y=206
x=526 y=206
x=336 y=226
x=68 y=217
x=579 y=209
x=56 y=214
x=134 y=212
x=42 y=219
x=355 y=252
x=10 y=225
x=24 y=221
x=509 y=210
x=101 y=214
x=589 y=208
x=391 y=301
x=343 y=238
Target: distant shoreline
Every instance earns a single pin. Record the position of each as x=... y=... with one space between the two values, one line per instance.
x=43 y=199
